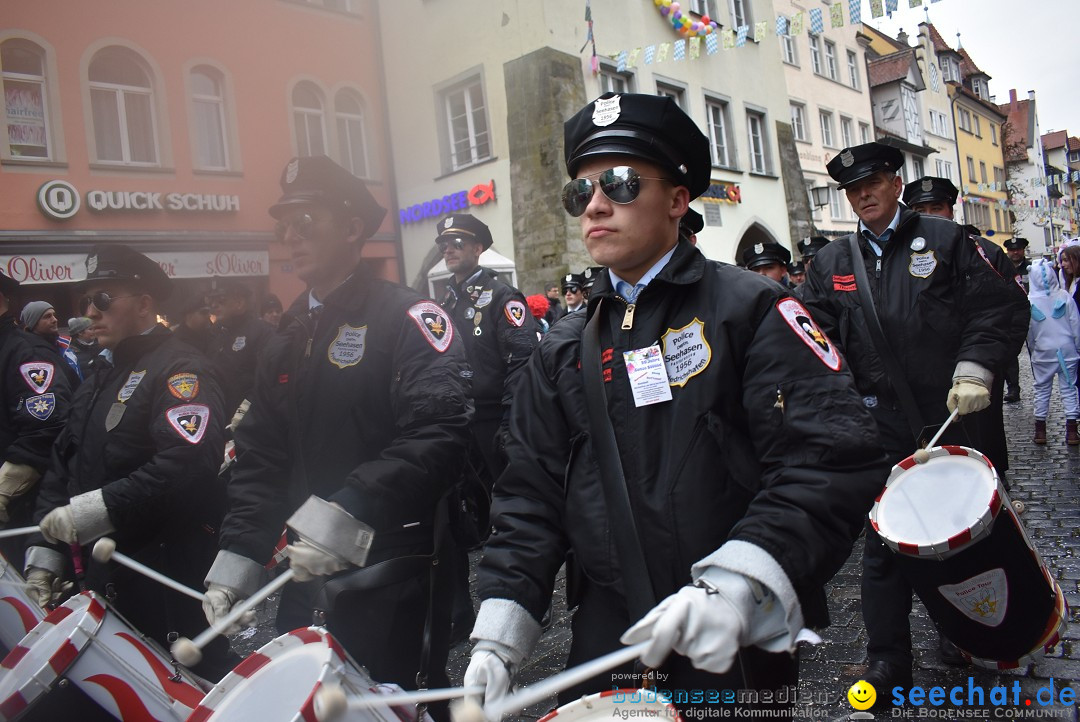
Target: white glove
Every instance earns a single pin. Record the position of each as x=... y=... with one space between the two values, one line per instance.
x=492 y=666
x=218 y=602
x=308 y=562
x=45 y=587
x=59 y=526
x=15 y=480
x=705 y=625
x=239 y=415
x=969 y=395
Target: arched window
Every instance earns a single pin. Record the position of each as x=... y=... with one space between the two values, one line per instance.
x=352 y=133
x=309 y=119
x=209 y=118
x=122 y=102
x=26 y=107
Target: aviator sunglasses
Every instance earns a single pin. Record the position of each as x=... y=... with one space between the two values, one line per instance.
x=301 y=225
x=456 y=243
x=621 y=184
x=102 y=301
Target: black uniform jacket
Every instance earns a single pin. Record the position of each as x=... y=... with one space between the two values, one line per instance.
x=765 y=440
x=236 y=348
x=148 y=430
x=366 y=404
x=499 y=334
x=36 y=396
x=938 y=299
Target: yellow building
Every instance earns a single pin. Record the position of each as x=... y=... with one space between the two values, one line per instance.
x=979 y=146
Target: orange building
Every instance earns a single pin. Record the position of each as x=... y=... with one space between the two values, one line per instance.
x=167 y=125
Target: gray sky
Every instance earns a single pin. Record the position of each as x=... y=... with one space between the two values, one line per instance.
x=1022 y=45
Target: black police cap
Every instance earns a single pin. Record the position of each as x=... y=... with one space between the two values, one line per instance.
x=930 y=189
x=1016 y=243
x=853 y=164
x=572 y=279
x=691 y=223
x=796 y=268
x=317 y=179
x=8 y=285
x=463 y=225
x=117 y=262
x=589 y=276
x=763 y=254
x=652 y=127
x=809 y=247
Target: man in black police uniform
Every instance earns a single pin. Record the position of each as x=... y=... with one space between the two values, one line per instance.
x=1015 y=248
x=940 y=305
x=362 y=399
x=691 y=224
x=796 y=273
x=769 y=259
x=36 y=397
x=138 y=460
x=573 y=292
x=238 y=340
x=746 y=489
x=937 y=197
x=808 y=248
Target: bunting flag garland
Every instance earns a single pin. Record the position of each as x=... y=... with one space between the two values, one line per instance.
x=634 y=54
x=836 y=15
x=914 y=3
x=760 y=30
x=620 y=63
x=782 y=25
x=650 y=53
x=729 y=39
x=797 y=23
x=855 y=11
x=876 y=10
x=695 y=47
x=817 y=25
x=712 y=44
x=680 y=50
x=662 y=53
x=740 y=39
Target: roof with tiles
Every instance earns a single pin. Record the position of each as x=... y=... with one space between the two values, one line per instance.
x=1055 y=139
x=890 y=68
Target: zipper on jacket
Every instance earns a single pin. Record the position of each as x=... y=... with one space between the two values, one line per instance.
x=628 y=317
x=779 y=400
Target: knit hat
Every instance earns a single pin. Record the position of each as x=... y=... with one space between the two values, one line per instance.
x=32 y=313
x=78 y=324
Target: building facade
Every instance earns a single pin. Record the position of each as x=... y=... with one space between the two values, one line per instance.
x=1062 y=154
x=167 y=125
x=476 y=124
x=1029 y=195
x=829 y=104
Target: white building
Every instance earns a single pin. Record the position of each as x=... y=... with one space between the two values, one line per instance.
x=478 y=93
x=829 y=103
x=1027 y=175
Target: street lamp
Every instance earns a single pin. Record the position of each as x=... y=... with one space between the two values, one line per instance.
x=819 y=196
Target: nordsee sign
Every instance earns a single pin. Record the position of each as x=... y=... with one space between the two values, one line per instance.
x=478 y=195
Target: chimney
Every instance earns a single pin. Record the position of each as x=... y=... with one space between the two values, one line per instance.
x=902 y=38
x=1012 y=99
x=1031 y=95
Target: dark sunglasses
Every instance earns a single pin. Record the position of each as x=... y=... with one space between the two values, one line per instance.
x=101 y=300
x=456 y=243
x=572 y=289
x=621 y=184
x=301 y=225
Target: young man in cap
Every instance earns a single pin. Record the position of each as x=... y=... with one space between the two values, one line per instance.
x=768 y=259
x=796 y=273
x=238 y=340
x=573 y=292
x=499 y=333
x=39 y=318
x=715 y=382
x=138 y=460
x=37 y=398
x=83 y=344
x=940 y=305
x=361 y=399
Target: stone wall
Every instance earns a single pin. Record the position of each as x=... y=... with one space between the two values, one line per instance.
x=800 y=219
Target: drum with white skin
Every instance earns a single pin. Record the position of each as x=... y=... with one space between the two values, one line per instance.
x=87 y=642
x=963 y=549
x=19 y=612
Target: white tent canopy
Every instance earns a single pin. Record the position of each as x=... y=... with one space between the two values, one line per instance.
x=488 y=259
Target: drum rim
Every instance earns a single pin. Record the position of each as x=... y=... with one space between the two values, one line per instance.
x=945 y=547
x=261 y=657
x=22 y=605
x=90 y=607
x=585 y=700
x=1055 y=627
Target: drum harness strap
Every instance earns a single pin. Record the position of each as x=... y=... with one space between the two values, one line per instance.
x=877 y=335
x=640 y=597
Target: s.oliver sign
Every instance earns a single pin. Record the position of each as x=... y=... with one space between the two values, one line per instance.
x=67 y=267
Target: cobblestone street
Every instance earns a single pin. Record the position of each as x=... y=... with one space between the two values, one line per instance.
x=1045 y=478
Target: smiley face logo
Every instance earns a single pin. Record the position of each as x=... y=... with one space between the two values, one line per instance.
x=862 y=695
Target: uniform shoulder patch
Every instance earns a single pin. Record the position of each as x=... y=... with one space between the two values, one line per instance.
x=433 y=323
x=38 y=375
x=189 y=421
x=184 y=386
x=798 y=318
x=41 y=407
x=515 y=313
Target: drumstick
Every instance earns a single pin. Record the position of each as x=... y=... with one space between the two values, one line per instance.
x=105 y=549
x=18 y=531
x=921 y=456
x=188 y=651
x=331 y=701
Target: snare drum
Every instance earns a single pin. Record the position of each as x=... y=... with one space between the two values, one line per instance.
x=605 y=706
x=963 y=550
x=279 y=682
x=86 y=642
x=19 y=613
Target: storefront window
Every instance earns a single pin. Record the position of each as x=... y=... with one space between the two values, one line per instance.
x=25 y=105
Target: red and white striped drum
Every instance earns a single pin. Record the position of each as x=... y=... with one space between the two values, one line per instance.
x=613 y=704
x=88 y=643
x=279 y=682
x=19 y=613
x=964 y=551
